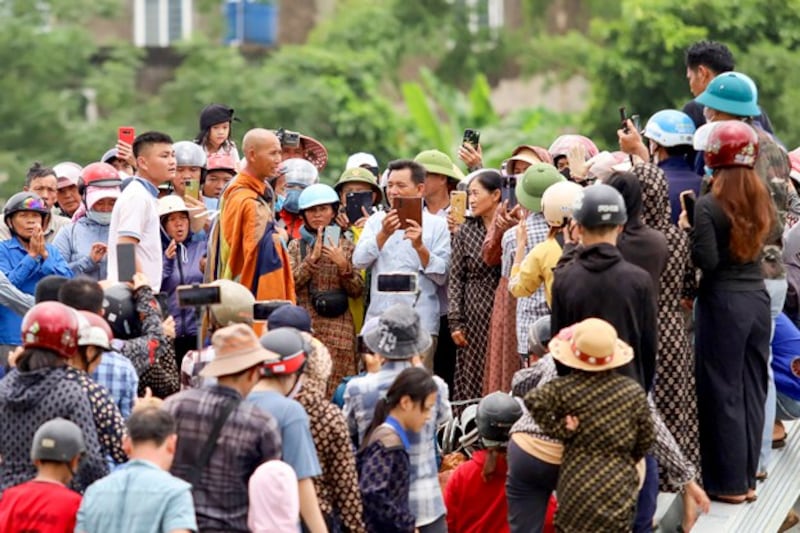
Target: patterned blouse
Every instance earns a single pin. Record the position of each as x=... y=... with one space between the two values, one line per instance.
x=107 y=418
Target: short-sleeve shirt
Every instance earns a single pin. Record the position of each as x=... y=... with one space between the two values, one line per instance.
x=298 y=445
x=138 y=497
x=40 y=506
x=135 y=215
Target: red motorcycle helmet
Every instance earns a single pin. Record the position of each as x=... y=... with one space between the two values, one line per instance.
x=97 y=321
x=99 y=175
x=52 y=326
x=732 y=144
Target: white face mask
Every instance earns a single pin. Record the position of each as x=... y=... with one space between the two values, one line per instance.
x=101 y=218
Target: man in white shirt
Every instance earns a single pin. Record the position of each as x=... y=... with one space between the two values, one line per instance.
x=135 y=215
x=423 y=250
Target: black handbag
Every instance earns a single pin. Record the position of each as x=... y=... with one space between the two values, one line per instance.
x=329 y=304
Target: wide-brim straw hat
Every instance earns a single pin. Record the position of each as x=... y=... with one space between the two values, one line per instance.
x=591 y=345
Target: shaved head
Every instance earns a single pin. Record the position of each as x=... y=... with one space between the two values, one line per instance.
x=262 y=149
x=257 y=137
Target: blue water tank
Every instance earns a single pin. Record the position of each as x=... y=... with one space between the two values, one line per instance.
x=251 y=22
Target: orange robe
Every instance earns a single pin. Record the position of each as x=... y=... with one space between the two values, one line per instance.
x=244 y=217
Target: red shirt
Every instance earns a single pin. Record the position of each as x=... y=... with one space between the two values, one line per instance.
x=40 y=507
x=466 y=488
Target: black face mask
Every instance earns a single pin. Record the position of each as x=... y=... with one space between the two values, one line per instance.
x=565 y=172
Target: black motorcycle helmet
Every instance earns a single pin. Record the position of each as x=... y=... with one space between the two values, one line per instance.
x=600 y=205
x=119 y=307
x=497 y=412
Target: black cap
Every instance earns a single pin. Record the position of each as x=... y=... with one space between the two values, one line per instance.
x=215 y=114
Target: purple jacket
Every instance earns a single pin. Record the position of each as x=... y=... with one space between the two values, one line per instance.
x=183 y=269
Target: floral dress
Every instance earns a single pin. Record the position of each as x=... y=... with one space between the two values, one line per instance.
x=337 y=333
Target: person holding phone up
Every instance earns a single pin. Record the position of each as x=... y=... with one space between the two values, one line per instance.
x=385 y=247
x=324 y=278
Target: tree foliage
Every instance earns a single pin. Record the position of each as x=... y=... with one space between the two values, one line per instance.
x=637 y=59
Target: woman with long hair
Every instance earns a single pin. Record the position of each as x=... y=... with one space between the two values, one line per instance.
x=383 y=464
x=732 y=336
x=472 y=285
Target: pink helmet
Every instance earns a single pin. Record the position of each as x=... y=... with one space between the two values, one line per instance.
x=562 y=144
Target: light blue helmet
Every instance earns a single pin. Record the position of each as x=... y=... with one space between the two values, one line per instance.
x=670 y=127
x=317 y=194
x=733 y=93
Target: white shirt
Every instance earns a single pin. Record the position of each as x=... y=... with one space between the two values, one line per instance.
x=135 y=215
x=397 y=255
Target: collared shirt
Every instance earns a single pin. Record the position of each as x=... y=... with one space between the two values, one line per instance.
x=135 y=215
x=441 y=290
x=528 y=309
x=397 y=255
x=117 y=374
x=248 y=438
x=361 y=396
x=139 y=497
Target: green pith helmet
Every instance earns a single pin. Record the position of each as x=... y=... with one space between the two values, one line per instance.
x=358 y=175
x=437 y=162
x=533 y=183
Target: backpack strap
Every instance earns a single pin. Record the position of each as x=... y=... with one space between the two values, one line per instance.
x=196 y=470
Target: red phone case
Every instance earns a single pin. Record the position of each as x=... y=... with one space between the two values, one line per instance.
x=126 y=134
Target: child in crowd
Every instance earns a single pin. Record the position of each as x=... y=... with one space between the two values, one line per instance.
x=605 y=424
x=45 y=504
x=483 y=477
x=383 y=463
x=216 y=132
x=530 y=271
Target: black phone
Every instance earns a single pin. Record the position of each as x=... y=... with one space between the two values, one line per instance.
x=354 y=201
x=688 y=201
x=288 y=139
x=198 y=295
x=472 y=137
x=264 y=308
x=397 y=282
x=126 y=261
x=508 y=191
x=623 y=119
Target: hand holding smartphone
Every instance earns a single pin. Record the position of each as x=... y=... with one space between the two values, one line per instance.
x=126 y=134
x=688 y=202
x=471 y=137
x=356 y=203
x=331 y=236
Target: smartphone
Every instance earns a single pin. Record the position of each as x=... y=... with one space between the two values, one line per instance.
x=288 y=139
x=126 y=134
x=354 y=201
x=472 y=137
x=126 y=261
x=192 y=188
x=361 y=346
x=637 y=123
x=331 y=235
x=198 y=295
x=398 y=283
x=508 y=191
x=458 y=206
x=264 y=308
x=408 y=208
x=688 y=201
x=623 y=119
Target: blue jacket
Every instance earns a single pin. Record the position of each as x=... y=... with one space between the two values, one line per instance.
x=785 y=352
x=25 y=272
x=680 y=177
x=75 y=241
x=183 y=269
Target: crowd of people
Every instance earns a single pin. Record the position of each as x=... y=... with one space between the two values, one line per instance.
x=203 y=336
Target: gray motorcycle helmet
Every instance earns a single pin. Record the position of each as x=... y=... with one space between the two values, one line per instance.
x=57 y=440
